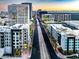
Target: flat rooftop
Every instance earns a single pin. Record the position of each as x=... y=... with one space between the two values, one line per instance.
x=64 y=30
x=20 y=26
x=74 y=24
x=16 y=26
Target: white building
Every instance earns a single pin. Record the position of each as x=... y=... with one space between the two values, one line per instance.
x=5 y=38
x=57 y=16
x=66 y=37
x=20 y=13
x=14 y=38
x=19 y=34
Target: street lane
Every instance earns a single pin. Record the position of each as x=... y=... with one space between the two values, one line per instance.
x=35 y=50
x=43 y=49
x=48 y=44
x=39 y=50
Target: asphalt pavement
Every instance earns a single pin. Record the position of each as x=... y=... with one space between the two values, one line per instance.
x=35 y=50
x=48 y=44
x=43 y=49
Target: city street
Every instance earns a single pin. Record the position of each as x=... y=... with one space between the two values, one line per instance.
x=42 y=48
x=48 y=44
x=35 y=49
x=39 y=50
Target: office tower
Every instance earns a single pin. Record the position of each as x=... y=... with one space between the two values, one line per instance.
x=12 y=11
x=20 y=13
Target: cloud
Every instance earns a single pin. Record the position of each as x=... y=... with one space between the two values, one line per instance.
x=44 y=4
x=52 y=0
x=58 y=6
x=19 y=1
x=13 y=1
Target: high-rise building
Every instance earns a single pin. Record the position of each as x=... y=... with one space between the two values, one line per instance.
x=12 y=10
x=20 y=13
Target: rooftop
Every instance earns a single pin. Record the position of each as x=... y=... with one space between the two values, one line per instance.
x=16 y=26
x=63 y=30
x=73 y=23
x=4 y=28
x=19 y=26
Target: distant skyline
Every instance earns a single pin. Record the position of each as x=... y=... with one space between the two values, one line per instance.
x=59 y=5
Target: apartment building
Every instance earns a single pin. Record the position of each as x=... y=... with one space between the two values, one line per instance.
x=67 y=37
x=14 y=38
x=5 y=39
x=19 y=33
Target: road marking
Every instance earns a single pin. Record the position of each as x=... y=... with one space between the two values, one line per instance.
x=43 y=49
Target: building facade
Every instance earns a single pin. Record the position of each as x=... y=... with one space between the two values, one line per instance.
x=57 y=17
x=14 y=39
x=67 y=38
x=5 y=39
x=20 y=13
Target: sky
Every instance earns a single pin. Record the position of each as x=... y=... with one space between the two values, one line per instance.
x=58 y=5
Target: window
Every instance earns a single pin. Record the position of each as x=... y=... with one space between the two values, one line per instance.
x=24 y=38
x=24 y=35
x=76 y=45
x=13 y=43
x=17 y=47
x=17 y=40
x=17 y=43
x=21 y=46
x=16 y=33
x=13 y=40
x=13 y=33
